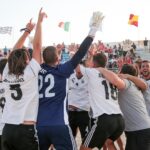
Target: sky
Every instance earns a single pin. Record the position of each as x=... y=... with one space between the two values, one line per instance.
x=17 y=13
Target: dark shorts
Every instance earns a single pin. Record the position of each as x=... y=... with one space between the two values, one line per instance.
x=58 y=135
x=0 y=143
x=79 y=119
x=138 y=140
x=21 y=137
x=102 y=128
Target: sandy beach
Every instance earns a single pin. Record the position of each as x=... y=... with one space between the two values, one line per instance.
x=78 y=140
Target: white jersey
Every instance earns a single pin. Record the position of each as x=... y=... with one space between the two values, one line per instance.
x=2 y=103
x=147 y=97
x=21 y=95
x=78 y=94
x=103 y=96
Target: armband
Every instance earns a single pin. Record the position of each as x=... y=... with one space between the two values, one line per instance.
x=25 y=29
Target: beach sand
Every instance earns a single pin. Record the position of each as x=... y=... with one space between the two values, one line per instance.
x=78 y=140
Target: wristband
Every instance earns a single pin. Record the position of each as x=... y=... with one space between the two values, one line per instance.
x=92 y=31
x=25 y=29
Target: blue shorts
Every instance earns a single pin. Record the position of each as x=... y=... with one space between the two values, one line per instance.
x=59 y=135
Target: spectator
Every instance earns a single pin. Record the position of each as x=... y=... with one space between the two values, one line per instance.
x=145 y=42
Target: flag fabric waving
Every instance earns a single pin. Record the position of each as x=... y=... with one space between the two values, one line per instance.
x=64 y=25
x=5 y=30
x=133 y=20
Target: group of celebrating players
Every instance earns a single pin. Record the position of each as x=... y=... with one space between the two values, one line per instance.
x=43 y=102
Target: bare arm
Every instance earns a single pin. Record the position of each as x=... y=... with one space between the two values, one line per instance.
x=37 y=42
x=140 y=83
x=112 y=78
x=19 y=44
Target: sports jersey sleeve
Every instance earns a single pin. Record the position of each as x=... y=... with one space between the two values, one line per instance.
x=127 y=83
x=35 y=66
x=66 y=69
x=75 y=60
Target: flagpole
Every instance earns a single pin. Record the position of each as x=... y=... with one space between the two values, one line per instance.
x=138 y=36
x=67 y=28
x=12 y=37
x=70 y=35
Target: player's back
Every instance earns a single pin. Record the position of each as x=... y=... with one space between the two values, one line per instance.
x=102 y=94
x=52 y=89
x=20 y=100
x=133 y=106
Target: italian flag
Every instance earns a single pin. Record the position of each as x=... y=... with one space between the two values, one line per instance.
x=64 y=25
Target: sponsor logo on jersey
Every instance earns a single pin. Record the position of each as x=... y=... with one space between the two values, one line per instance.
x=43 y=71
x=14 y=81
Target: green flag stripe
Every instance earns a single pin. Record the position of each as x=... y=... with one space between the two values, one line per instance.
x=66 y=26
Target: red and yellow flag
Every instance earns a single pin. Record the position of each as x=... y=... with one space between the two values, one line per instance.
x=133 y=20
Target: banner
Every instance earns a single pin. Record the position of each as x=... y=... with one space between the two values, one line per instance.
x=5 y=30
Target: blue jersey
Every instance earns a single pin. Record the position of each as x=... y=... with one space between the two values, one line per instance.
x=52 y=104
x=52 y=88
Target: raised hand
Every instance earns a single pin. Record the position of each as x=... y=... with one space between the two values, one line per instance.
x=30 y=25
x=42 y=15
x=95 y=22
x=37 y=41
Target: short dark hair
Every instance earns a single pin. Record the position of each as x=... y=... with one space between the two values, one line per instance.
x=50 y=55
x=145 y=61
x=129 y=69
x=100 y=59
x=2 y=64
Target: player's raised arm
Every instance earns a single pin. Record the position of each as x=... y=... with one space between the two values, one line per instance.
x=112 y=78
x=95 y=24
x=37 y=42
x=140 y=83
x=29 y=27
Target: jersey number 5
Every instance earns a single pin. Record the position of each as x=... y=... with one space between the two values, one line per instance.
x=16 y=93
